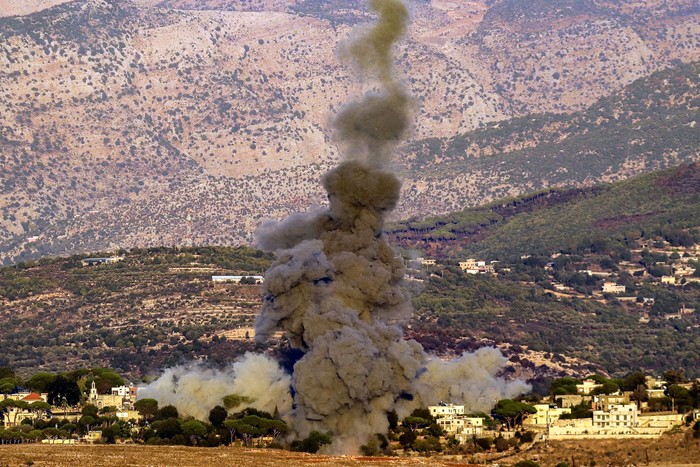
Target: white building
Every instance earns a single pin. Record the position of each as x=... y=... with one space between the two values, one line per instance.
x=451 y=418
x=612 y=287
x=236 y=279
x=446 y=410
x=618 y=416
x=587 y=387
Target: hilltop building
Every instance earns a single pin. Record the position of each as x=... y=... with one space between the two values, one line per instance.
x=587 y=386
x=98 y=261
x=474 y=266
x=239 y=279
x=612 y=287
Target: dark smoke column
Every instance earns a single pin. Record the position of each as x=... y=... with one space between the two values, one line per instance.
x=337 y=286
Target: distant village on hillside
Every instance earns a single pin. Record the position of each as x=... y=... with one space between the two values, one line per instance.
x=656 y=263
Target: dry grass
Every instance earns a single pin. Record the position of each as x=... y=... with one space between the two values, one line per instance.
x=133 y=455
x=671 y=449
x=677 y=450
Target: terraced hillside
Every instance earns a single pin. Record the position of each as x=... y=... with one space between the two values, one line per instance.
x=159 y=306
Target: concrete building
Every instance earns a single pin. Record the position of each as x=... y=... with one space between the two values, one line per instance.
x=237 y=279
x=571 y=400
x=624 y=415
x=446 y=410
x=121 y=397
x=451 y=418
x=605 y=401
x=612 y=287
x=587 y=387
x=546 y=414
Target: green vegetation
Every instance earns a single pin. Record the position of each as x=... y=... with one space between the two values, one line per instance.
x=458 y=311
x=662 y=203
x=133 y=315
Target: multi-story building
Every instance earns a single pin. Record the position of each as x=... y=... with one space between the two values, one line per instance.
x=624 y=415
x=546 y=414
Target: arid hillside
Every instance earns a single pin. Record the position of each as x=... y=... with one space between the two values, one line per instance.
x=121 y=119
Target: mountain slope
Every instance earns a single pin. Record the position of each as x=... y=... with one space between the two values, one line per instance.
x=555 y=220
x=119 y=118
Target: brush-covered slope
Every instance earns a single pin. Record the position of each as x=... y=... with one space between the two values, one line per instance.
x=555 y=220
x=116 y=117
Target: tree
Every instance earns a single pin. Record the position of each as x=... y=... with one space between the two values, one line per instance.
x=87 y=421
x=633 y=381
x=40 y=408
x=640 y=395
x=9 y=405
x=7 y=385
x=674 y=376
x=194 y=429
x=413 y=423
x=566 y=385
x=233 y=401
x=407 y=438
x=512 y=411
x=147 y=407
x=217 y=415
x=311 y=443
x=91 y=410
x=167 y=428
x=165 y=412
x=61 y=388
x=243 y=428
x=501 y=444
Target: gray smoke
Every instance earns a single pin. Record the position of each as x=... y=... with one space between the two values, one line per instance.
x=337 y=287
x=337 y=290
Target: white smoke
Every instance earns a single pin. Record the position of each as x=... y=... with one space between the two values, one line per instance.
x=337 y=290
x=194 y=389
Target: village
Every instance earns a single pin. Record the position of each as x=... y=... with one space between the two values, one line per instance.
x=614 y=415
x=597 y=409
x=624 y=279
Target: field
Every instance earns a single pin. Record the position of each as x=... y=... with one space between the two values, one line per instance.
x=677 y=449
x=130 y=455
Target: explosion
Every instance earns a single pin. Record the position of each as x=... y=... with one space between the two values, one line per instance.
x=337 y=289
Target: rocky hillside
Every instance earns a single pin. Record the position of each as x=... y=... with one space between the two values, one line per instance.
x=121 y=119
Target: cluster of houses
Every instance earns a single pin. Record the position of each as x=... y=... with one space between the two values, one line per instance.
x=613 y=416
x=455 y=422
x=98 y=261
x=120 y=400
x=470 y=266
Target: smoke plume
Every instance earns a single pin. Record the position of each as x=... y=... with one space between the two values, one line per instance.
x=337 y=289
x=194 y=389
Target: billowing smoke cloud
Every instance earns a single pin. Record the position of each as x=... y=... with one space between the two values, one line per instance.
x=337 y=289
x=195 y=389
